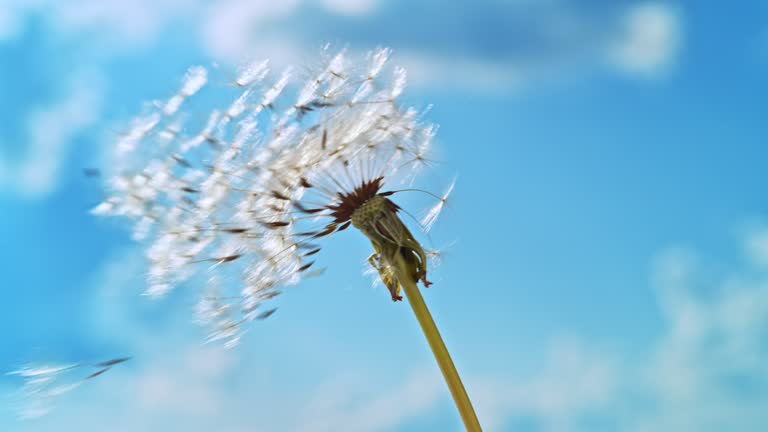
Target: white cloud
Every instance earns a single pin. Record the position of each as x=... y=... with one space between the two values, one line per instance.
x=135 y=20
x=438 y=72
x=345 y=403
x=651 y=39
x=189 y=384
x=116 y=306
x=350 y=7
x=140 y=21
x=50 y=132
x=757 y=246
x=573 y=380
x=646 y=43
x=230 y=29
x=115 y=21
x=9 y=23
x=706 y=371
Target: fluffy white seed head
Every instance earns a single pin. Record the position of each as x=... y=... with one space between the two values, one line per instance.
x=246 y=199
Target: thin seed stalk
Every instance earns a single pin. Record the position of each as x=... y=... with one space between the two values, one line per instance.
x=444 y=361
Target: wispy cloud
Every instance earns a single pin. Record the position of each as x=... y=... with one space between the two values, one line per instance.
x=122 y=23
x=757 y=246
x=50 y=131
x=474 y=45
x=651 y=39
x=483 y=46
x=350 y=7
x=575 y=380
x=346 y=403
x=706 y=371
x=9 y=23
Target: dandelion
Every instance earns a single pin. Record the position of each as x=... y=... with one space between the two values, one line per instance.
x=250 y=199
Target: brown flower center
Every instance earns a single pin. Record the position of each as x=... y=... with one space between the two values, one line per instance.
x=352 y=201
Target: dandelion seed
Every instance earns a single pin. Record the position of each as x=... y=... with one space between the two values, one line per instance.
x=431 y=217
x=194 y=80
x=42 y=371
x=43 y=384
x=95 y=374
x=252 y=72
x=110 y=363
x=266 y=314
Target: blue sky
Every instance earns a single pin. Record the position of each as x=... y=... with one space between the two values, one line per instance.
x=606 y=262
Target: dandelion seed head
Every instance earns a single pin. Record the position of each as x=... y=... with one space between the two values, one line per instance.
x=246 y=201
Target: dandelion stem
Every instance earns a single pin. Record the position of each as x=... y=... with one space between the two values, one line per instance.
x=444 y=361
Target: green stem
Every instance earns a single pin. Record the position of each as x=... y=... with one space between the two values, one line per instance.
x=437 y=345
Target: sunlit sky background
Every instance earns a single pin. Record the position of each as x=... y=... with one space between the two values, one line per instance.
x=606 y=248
